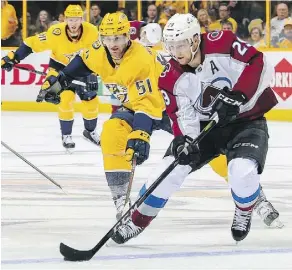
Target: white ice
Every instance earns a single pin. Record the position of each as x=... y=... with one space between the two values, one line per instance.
x=192 y=232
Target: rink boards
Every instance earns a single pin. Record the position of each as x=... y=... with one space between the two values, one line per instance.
x=20 y=88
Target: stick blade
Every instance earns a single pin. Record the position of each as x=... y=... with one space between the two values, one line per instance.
x=71 y=254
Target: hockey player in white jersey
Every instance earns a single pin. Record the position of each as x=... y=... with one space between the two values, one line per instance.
x=213 y=65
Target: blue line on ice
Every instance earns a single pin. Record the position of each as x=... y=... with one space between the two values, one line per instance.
x=156 y=256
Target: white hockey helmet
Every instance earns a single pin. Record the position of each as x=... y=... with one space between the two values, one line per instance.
x=151 y=34
x=182 y=27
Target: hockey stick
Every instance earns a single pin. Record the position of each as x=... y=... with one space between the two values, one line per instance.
x=71 y=254
x=44 y=74
x=134 y=164
x=31 y=70
x=33 y=166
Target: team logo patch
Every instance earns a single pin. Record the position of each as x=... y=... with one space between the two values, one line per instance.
x=57 y=31
x=96 y=45
x=119 y=91
x=133 y=30
x=213 y=36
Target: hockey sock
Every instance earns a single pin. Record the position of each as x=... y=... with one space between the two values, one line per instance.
x=66 y=127
x=90 y=125
x=118 y=183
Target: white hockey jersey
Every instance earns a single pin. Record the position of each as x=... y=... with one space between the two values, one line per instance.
x=226 y=62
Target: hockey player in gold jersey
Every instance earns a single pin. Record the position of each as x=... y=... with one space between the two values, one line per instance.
x=65 y=40
x=130 y=71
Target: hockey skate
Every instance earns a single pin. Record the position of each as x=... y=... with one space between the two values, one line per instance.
x=268 y=214
x=68 y=144
x=126 y=232
x=121 y=207
x=241 y=224
x=92 y=136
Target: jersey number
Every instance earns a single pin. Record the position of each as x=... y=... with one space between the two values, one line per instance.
x=165 y=97
x=240 y=47
x=143 y=87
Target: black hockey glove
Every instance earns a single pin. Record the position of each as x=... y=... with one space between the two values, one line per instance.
x=227 y=105
x=52 y=88
x=163 y=124
x=8 y=61
x=91 y=83
x=138 y=143
x=186 y=152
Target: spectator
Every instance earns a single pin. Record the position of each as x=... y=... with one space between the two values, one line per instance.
x=194 y=8
x=226 y=25
x=179 y=6
x=224 y=14
x=61 y=17
x=213 y=18
x=151 y=14
x=286 y=41
x=168 y=12
x=31 y=29
x=95 y=17
x=9 y=24
x=255 y=28
x=204 y=20
x=43 y=22
x=277 y=23
x=133 y=15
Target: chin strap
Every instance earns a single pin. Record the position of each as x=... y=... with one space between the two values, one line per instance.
x=195 y=52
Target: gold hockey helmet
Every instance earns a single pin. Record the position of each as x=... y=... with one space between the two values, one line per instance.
x=114 y=24
x=73 y=11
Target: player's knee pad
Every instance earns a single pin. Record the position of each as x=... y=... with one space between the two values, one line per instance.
x=219 y=166
x=244 y=180
x=150 y=208
x=90 y=109
x=66 y=106
x=172 y=182
x=113 y=144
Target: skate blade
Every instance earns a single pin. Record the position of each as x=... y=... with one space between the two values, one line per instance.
x=69 y=151
x=94 y=143
x=276 y=224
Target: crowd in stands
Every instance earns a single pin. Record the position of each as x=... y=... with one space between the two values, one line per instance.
x=245 y=18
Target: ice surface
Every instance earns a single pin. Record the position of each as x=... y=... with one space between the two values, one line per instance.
x=192 y=232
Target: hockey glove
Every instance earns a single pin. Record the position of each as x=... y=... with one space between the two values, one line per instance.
x=228 y=105
x=91 y=83
x=163 y=124
x=8 y=61
x=52 y=88
x=138 y=143
x=186 y=152
x=48 y=97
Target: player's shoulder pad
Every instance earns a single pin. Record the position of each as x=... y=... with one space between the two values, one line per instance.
x=141 y=55
x=88 y=54
x=218 y=42
x=168 y=78
x=57 y=29
x=89 y=27
x=96 y=45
